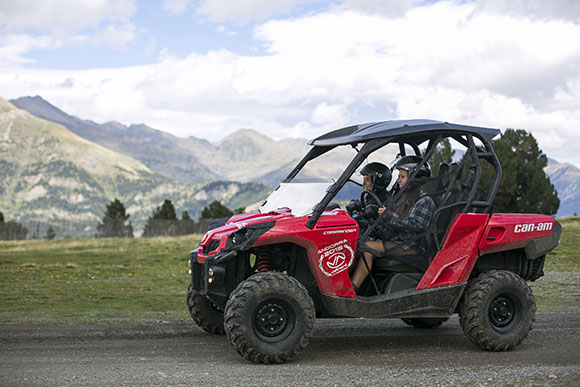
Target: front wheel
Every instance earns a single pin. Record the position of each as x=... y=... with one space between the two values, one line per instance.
x=497 y=310
x=205 y=314
x=269 y=318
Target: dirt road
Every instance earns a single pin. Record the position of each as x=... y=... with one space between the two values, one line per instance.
x=342 y=352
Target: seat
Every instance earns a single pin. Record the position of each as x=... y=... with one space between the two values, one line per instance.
x=447 y=190
x=412 y=263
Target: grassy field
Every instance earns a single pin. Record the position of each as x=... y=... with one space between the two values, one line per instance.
x=559 y=289
x=95 y=279
x=146 y=279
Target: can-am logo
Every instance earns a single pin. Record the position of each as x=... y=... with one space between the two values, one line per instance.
x=529 y=227
x=335 y=258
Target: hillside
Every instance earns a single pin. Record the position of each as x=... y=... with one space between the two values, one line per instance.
x=49 y=175
x=566 y=180
x=245 y=155
x=159 y=151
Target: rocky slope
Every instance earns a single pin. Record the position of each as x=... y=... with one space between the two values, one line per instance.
x=49 y=175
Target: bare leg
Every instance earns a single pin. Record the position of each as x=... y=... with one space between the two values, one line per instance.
x=361 y=272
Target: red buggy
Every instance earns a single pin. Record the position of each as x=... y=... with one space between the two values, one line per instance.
x=263 y=277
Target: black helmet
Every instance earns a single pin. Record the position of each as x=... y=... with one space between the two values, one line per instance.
x=409 y=164
x=380 y=173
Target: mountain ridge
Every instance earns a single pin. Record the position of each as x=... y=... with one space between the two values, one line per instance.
x=244 y=155
x=51 y=176
x=188 y=159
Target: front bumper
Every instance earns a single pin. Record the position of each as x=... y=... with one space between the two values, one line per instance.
x=210 y=278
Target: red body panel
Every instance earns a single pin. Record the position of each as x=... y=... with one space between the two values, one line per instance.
x=453 y=264
x=330 y=246
x=514 y=231
x=473 y=235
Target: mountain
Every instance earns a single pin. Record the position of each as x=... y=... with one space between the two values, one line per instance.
x=49 y=175
x=161 y=152
x=566 y=180
x=245 y=155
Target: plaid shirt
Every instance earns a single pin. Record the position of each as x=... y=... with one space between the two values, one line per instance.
x=419 y=217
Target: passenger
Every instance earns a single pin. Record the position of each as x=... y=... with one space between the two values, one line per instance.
x=412 y=215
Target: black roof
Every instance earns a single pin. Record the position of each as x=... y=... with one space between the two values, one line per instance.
x=417 y=128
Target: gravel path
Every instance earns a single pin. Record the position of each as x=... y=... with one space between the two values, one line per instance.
x=342 y=352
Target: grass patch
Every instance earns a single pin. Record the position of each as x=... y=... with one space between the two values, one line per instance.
x=559 y=289
x=146 y=279
x=567 y=256
x=95 y=279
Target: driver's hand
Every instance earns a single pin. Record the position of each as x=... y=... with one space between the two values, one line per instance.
x=383 y=209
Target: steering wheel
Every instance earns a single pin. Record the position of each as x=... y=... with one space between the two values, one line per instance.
x=371 y=210
x=372 y=195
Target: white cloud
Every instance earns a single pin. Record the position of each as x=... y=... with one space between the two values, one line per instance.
x=175 y=6
x=243 y=11
x=116 y=36
x=461 y=62
x=389 y=8
x=62 y=16
x=535 y=9
x=54 y=24
x=222 y=29
x=14 y=47
x=331 y=115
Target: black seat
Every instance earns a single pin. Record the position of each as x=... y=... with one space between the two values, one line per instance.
x=412 y=263
x=447 y=190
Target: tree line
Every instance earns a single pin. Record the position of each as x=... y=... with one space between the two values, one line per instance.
x=11 y=230
x=162 y=222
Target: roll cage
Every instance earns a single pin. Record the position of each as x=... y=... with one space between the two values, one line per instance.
x=414 y=133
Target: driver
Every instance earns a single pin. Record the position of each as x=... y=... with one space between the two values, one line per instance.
x=412 y=215
x=376 y=178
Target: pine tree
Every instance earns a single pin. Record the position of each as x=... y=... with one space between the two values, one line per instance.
x=50 y=233
x=115 y=222
x=215 y=210
x=166 y=211
x=162 y=222
x=186 y=224
x=524 y=187
x=442 y=154
x=11 y=230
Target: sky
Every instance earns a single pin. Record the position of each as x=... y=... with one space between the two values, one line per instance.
x=297 y=68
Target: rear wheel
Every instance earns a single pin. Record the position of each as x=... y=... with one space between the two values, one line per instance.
x=497 y=310
x=269 y=318
x=425 y=323
x=205 y=314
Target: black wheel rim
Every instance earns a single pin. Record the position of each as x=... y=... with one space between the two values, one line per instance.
x=273 y=320
x=505 y=312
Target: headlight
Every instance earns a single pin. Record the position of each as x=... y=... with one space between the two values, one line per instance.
x=239 y=236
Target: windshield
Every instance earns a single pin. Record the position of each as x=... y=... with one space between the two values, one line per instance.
x=300 y=196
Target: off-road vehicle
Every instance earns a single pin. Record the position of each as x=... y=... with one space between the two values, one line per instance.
x=263 y=277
